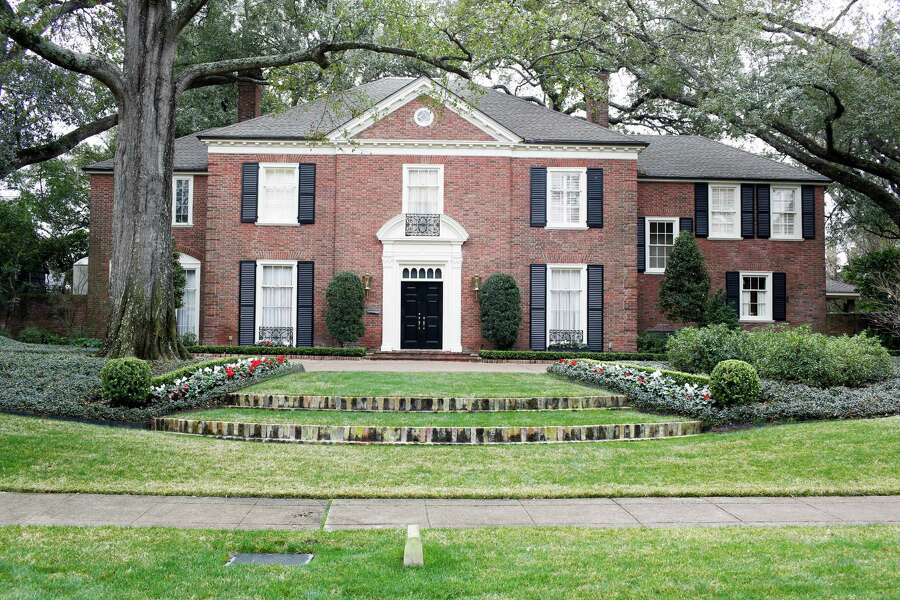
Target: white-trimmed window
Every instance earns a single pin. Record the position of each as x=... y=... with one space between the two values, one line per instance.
x=423 y=189
x=80 y=277
x=276 y=301
x=756 y=296
x=660 y=235
x=567 y=197
x=278 y=194
x=566 y=304
x=183 y=200
x=724 y=212
x=786 y=213
x=187 y=316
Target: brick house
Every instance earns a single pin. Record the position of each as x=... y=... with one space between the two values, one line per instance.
x=424 y=191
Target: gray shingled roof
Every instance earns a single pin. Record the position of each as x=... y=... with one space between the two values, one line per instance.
x=835 y=286
x=695 y=157
x=666 y=157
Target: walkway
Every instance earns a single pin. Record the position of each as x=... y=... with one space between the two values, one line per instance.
x=275 y=513
x=427 y=366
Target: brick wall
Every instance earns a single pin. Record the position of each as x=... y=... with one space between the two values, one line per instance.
x=447 y=125
x=802 y=261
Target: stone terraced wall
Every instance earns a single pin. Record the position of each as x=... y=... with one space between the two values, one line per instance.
x=425 y=435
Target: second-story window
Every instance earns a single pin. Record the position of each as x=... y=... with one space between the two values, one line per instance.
x=182 y=200
x=786 y=213
x=278 y=194
x=566 y=198
x=661 y=234
x=423 y=189
x=724 y=213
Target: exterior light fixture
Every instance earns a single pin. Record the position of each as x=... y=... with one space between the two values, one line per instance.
x=367 y=283
x=476 y=284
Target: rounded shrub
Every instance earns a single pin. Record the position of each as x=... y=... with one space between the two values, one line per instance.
x=699 y=350
x=501 y=310
x=126 y=382
x=734 y=382
x=344 y=300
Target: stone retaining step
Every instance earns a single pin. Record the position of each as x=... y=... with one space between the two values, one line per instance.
x=398 y=404
x=298 y=433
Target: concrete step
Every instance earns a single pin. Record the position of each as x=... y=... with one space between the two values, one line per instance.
x=424 y=355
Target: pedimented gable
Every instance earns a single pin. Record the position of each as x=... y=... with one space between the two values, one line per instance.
x=446 y=125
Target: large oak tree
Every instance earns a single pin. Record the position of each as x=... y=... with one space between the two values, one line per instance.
x=145 y=74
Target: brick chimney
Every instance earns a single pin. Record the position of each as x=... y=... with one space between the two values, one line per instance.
x=598 y=110
x=249 y=102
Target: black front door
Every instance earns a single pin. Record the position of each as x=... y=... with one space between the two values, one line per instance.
x=420 y=314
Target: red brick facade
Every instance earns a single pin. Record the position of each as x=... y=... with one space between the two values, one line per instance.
x=357 y=193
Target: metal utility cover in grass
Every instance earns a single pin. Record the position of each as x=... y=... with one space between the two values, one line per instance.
x=254 y=558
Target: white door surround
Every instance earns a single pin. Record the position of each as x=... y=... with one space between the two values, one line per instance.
x=444 y=251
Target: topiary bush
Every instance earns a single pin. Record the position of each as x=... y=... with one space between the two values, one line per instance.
x=126 y=382
x=734 y=382
x=344 y=300
x=501 y=310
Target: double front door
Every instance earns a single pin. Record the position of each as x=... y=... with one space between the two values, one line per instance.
x=420 y=315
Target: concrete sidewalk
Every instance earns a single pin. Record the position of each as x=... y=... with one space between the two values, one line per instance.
x=293 y=514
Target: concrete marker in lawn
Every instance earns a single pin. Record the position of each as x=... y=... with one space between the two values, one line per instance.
x=413 y=556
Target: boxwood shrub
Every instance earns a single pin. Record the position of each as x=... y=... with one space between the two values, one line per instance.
x=286 y=350
x=782 y=354
x=125 y=382
x=734 y=382
x=557 y=354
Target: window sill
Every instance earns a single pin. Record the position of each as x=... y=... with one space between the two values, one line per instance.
x=572 y=227
x=277 y=224
x=785 y=239
x=758 y=321
x=182 y=225
x=649 y=272
x=725 y=239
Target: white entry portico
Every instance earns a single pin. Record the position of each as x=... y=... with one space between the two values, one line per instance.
x=443 y=251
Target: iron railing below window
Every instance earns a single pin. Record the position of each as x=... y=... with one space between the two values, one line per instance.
x=422 y=225
x=565 y=337
x=277 y=336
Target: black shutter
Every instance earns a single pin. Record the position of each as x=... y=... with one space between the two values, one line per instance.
x=763 y=210
x=306 y=192
x=733 y=290
x=808 y=211
x=249 y=191
x=305 y=302
x=701 y=209
x=779 y=297
x=538 y=196
x=595 y=307
x=748 y=191
x=641 y=246
x=247 y=303
x=685 y=224
x=537 y=338
x=595 y=197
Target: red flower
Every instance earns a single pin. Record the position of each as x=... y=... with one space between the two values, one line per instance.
x=229 y=372
x=280 y=359
x=706 y=397
x=572 y=363
x=561 y=361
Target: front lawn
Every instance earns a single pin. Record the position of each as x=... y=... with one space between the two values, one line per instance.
x=794 y=562
x=433 y=385
x=826 y=457
x=510 y=418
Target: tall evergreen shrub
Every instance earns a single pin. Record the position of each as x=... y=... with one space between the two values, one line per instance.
x=501 y=310
x=683 y=295
x=344 y=300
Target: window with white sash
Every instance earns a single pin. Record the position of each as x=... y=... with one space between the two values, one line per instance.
x=756 y=296
x=278 y=194
x=187 y=317
x=660 y=235
x=567 y=198
x=724 y=212
x=80 y=277
x=566 y=304
x=423 y=189
x=276 y=297
x=183 y=200
x=786 y=213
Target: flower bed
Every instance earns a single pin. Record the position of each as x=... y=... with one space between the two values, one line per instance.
x=779 y=402
x=558 y=354
x=274 y=350
x=217 y=379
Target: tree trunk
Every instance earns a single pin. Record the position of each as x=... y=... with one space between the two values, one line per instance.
x=142 y=320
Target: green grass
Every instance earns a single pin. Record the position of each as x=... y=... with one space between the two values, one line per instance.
x=826 y=457
x=793 y=562
x=438 y=385
x=396 y=419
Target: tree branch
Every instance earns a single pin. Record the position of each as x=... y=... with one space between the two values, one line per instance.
x=86 y=64
x=183 y=15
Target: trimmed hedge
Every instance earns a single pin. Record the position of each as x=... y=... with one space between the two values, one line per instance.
x=286 y=350
x=558 y=354
x=779 y=402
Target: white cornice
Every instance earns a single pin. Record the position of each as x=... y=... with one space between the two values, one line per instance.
x=411 y=91
x=423 y=148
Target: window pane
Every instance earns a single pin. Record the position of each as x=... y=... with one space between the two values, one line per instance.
x=723 y=211
x=784 y=212
x=754 y=296
x=186 y=315
x=660 y=242
x=565 y=299
x=278 y=195
x=277 y=295
x=564 y=198
x=182 y=200
x=423 y=190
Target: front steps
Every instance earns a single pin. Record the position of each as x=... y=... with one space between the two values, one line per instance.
x=424 y=355
x=399 y=404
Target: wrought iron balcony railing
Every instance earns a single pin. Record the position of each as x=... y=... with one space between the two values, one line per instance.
x=277 y=336
x=422 y=225
x=565 y=337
